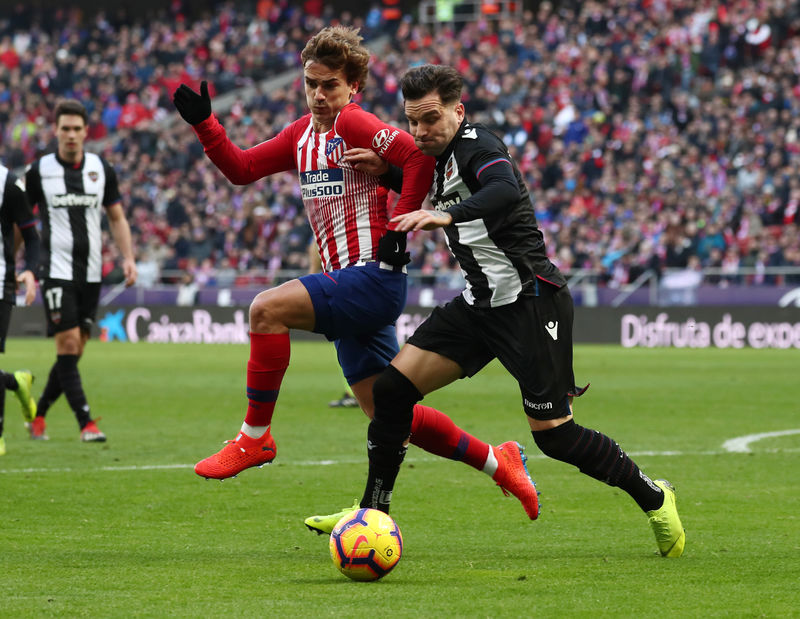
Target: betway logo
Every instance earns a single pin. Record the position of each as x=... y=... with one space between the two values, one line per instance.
x=444 y=204
x=66 y=200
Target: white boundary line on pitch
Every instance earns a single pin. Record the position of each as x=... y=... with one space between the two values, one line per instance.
x=741 y=444
x=728 y=450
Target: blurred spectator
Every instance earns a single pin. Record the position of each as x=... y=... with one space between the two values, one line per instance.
x=148 y=268
x=647 y=135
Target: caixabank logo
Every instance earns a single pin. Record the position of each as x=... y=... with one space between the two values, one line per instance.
x=203 y=326
x=176 y=325
x=111 y=327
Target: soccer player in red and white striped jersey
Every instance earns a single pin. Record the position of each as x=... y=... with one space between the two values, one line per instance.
x=361 y=290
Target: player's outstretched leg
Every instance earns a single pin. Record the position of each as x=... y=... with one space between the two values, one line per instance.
x=666 y=524
x=436 y=433
x=512 y=476
x=600 y=457
x=325 y=524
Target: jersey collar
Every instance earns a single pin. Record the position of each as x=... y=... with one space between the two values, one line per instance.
x=67 y=164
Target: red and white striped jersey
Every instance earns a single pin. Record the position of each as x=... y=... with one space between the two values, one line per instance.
x=347 y=209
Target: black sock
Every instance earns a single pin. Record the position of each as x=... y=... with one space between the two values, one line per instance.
x=394 y=395
x=50 y=393
x=384 y=466
x=70 y=380
x=10 y=381
x=599 y=456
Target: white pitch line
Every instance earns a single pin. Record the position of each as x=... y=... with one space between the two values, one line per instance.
x=741 y=444
x=168 y=467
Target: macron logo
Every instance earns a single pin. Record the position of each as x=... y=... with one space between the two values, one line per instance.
x=552 y=328
x=471 y=134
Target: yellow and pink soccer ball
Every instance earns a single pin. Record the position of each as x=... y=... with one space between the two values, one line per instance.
x=366 y=544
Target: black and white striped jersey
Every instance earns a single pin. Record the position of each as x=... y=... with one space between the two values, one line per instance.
x=71 y=201
x=14 y=209
x=495 y=240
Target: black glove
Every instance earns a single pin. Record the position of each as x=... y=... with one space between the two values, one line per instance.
x=392 y=249
x=192 y=107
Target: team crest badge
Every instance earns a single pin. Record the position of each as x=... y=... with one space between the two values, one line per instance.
x=93 y=176
x=334 y=149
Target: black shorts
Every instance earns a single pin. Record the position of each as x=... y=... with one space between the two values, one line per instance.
x=5 y=320
x=531 y=337
x=69 y=304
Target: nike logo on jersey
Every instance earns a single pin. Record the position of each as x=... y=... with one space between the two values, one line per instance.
x=552 y=328
x=471 y=134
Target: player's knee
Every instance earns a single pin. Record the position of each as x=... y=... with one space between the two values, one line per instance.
x=394 y=397
x=392 y=388
x=259 y=307
x=263 y=312
x=558 y=441
x=69 y=342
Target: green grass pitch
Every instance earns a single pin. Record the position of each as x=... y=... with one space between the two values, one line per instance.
x=126 y=529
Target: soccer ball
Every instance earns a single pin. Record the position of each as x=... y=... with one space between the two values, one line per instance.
x=366 y=544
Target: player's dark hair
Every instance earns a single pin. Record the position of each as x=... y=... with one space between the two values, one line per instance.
x=339 y=47
x=71 y=107
x=428 y=78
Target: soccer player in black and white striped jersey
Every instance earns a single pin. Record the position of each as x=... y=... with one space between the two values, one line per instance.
x=72 y=188
x=516 y=308
x=15 y=214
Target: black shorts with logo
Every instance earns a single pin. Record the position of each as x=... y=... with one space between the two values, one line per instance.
x=69 y=304
x=531 y=337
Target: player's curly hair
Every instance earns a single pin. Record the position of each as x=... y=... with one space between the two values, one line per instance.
x=339 y=47
x=425 y=79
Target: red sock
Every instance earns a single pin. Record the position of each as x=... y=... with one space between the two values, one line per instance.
x=436 y=433
x=269 y=358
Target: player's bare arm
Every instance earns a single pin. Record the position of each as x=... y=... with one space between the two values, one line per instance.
x=27 y=279
x=421 y=220
x=121 y=232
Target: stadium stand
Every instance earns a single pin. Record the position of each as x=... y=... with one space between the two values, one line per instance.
x=656 y=138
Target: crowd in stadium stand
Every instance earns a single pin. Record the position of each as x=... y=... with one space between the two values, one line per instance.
x=656 y=134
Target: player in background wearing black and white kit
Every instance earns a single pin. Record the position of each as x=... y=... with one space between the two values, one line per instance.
x=72 y=188
x=15 y=214
x=516 y=308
